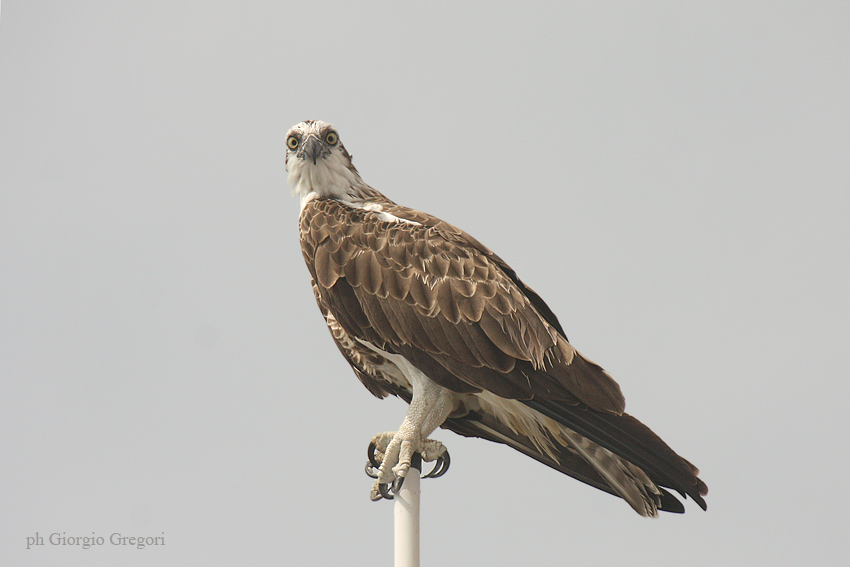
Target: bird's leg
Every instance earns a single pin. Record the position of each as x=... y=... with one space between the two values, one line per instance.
x=429 y=408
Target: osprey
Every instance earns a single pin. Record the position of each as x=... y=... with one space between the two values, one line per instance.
x=423 y=311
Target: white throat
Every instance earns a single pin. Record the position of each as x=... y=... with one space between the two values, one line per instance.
x=328 y=177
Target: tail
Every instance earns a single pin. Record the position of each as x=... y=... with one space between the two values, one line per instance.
x=548 y=440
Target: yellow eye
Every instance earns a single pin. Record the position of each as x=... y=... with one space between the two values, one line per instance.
x=292 y=142
x=331 y=138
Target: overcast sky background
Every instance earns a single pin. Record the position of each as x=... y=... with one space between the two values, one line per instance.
x=671 y=177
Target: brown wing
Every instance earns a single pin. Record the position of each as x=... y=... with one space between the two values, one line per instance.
x=373 y=371
x=430 y=292
x=437 y=296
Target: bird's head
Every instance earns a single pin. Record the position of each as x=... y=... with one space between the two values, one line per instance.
x=317 y=162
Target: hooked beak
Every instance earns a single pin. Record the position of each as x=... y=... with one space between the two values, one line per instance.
x=311 y=149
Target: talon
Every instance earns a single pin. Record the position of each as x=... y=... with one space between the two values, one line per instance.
x=433 y=472
x=370 y=452
x=370 y=471
x=391 y=456
x=442 y=466
x=384 y=488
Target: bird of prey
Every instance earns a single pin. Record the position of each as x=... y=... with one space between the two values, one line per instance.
x=423 y=311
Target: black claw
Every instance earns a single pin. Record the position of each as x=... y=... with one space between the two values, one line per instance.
x=370 y=452
x=447 y=461
x=384 y=489
x=397 y=484
x=370 y=471
x=434 y=473
x=442 y=466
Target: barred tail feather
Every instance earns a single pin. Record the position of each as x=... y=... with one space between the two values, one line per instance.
x=551 y=443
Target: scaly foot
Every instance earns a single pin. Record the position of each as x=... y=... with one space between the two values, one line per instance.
x=391 y=453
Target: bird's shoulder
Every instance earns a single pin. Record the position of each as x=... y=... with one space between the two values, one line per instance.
x=410 y=241
x=415 y=285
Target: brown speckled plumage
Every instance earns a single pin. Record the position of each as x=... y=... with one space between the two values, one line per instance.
x=410 y=284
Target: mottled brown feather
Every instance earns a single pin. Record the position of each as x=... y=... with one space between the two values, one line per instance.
x=447 y=303
x=454 y=281
x=438 y=297
x=496 y=333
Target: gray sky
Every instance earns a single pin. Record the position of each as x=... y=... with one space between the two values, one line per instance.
x=672 y=179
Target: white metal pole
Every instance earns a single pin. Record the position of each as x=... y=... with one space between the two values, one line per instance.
x=407 y=517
